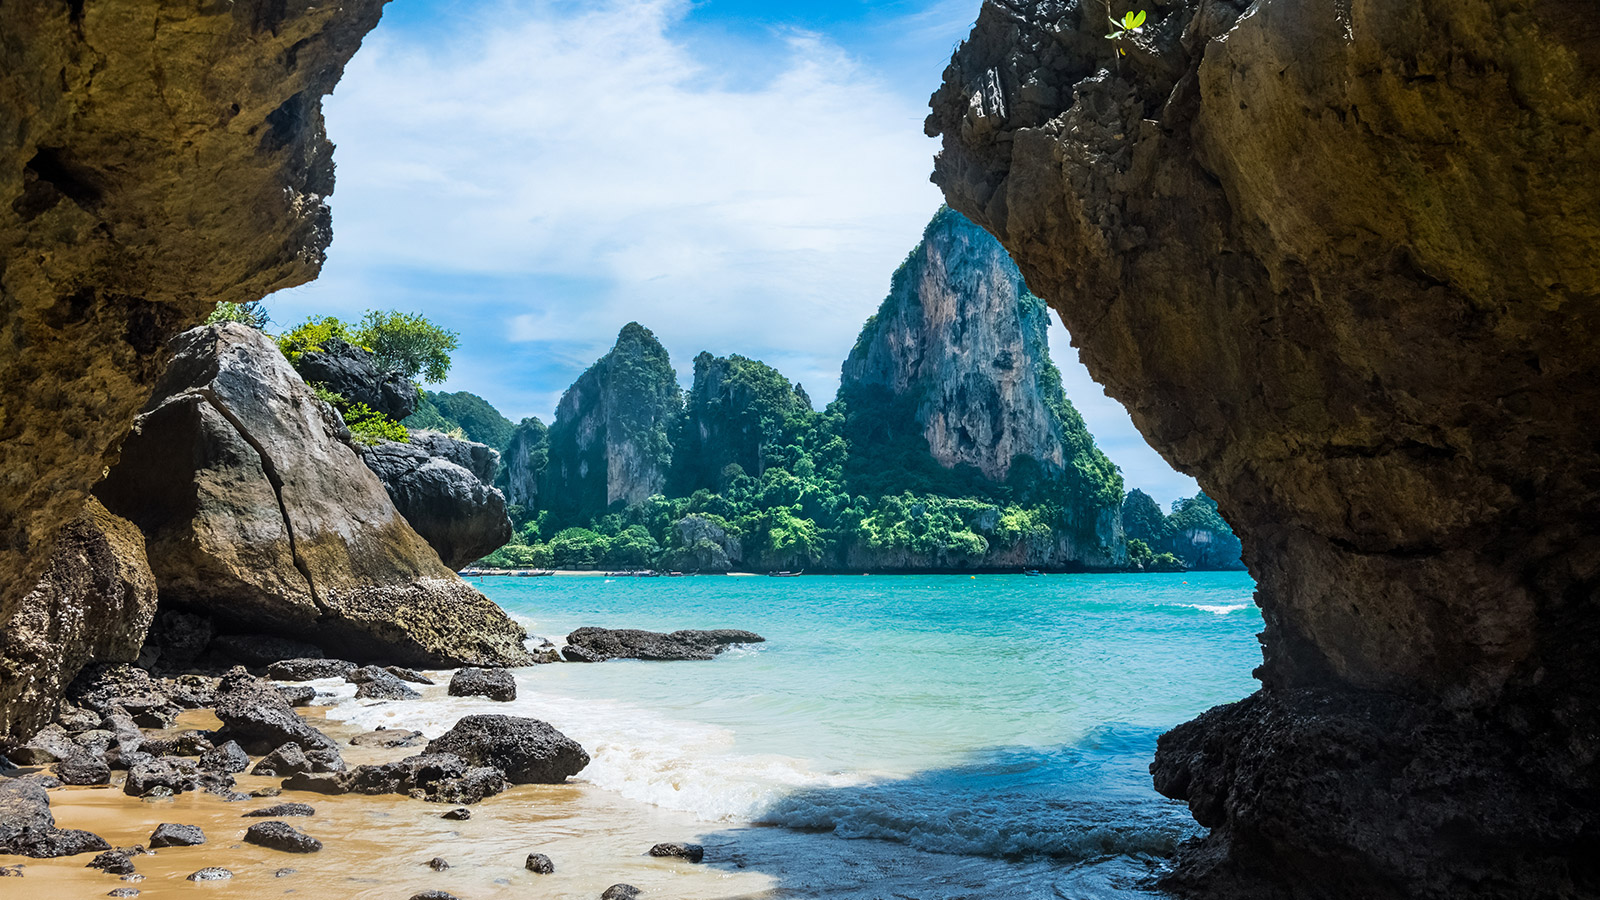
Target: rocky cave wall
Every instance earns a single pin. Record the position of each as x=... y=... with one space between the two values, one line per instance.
x=155 y=159
x=1341 y=261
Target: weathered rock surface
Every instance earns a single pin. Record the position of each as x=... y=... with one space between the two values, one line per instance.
x=280 y=810
x=155 y=162
x=526 y=751
x=268 y=523
x=94 y=605
x=387 y=737
x=620 y=892
x=609 y=441
x=281 y=836
x=260 y=720
x=600 y=644
x=496 y=684
x=229 y=757
x=431 y=776
x=170 y=835
x=28 y=829
x=309 y=669
x=438 y=483
x=374 y=683
x=1338 y=259
x=688 y=852
x=258 y=651
x=354 y=374
x=539 y=864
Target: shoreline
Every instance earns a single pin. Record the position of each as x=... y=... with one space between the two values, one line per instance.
x=850 y=573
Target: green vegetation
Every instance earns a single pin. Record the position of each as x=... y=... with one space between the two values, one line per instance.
x=462 y=412
x=367 y=425
x=251 y=314
x=407 y=343
x=401 y=342
x=1131 y=24
x=1194 y=536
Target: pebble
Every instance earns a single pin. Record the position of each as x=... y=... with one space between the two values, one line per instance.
x=539 y=864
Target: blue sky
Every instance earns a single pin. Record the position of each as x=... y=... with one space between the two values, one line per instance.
x=738 y=176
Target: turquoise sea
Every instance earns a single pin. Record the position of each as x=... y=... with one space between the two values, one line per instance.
x=926 y=737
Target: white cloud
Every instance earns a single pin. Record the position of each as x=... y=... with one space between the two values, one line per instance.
x=559 y=141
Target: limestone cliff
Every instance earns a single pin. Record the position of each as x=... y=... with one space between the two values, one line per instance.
x=527 y=454
x=609 y=442
x=1341 y=261
x=955 y=367
x=258 y=516
x=155 y=159
x=735 y=413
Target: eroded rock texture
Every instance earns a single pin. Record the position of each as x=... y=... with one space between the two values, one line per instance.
x=154 y=160
x=94 y=604
x=441 y=486
x=1341 y=261
x=257 y=515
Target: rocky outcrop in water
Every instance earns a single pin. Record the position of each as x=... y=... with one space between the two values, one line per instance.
x=257 y=515
x=155 y=161
x=1337 y=257
x=94 y=605
x=610 y=442
x=354 y=373
x=442 y=487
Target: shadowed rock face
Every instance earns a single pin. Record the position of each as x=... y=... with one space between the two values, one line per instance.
x=93 y=605
x=1341 y=261
x=441 y=486
x=154 y=161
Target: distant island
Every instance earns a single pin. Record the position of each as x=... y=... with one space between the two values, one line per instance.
x=951 y=446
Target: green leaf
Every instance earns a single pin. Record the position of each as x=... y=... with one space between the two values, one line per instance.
x=1139 y=19
x=1127 y=19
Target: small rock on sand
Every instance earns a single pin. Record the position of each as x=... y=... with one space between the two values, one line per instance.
x=620 y=892
x=281 y=809
x=438 y=864
x=459 y=814
x=211 y=873
x=169 y=835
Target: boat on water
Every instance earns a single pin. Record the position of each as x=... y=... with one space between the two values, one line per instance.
x=785 y=574
x=1033 y=573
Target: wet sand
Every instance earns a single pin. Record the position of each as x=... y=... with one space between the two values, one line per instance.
x=378 y=846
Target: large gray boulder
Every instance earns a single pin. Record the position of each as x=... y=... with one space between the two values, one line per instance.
x=93 y=605
x=256 y=513
x=442 y=486
x=600 y=644
x=354 y=374
x=526 y=751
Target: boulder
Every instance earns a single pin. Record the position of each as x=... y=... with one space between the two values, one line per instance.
x=454 y=509
x=296 y=694
x=438 y=864
x=210 y=873
x=169 y=835
x=354 y=373
x=229 y=757
x=434 y=895
x=281 y=836
x=187 y=743
x=260 y=720
x=405 y=674
x=257 y=514
x=539 y=864
x=308 y=669
x=113 y=862
x=94 y=604
x=496 y=684
x=164 y=774
x=50 y=744
x=84 y=769
x=620 y=892
x=28 y=829
x=461 y=814
x=176 y=640
x=598 y=644
x=374 y=683
x=436 y=777
x=526 y=751
x=691 y=852
x=289 y=759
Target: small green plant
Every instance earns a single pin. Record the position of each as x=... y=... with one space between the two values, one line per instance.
x=326 y=396
x=312 y=334
x=244 y=313
x=1132 y=23
x=368 y=426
